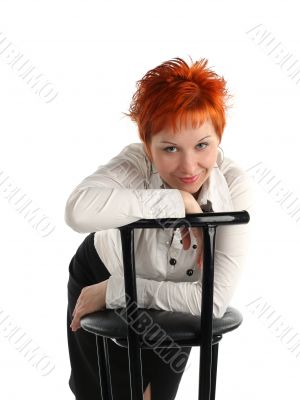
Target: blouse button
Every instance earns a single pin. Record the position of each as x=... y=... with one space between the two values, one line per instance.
x=172 y=261
x=189 y=272
x=194 y=246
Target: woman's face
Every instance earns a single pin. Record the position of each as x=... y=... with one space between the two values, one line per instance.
x=189 y=153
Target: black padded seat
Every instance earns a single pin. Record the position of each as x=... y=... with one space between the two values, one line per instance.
x=183 y=328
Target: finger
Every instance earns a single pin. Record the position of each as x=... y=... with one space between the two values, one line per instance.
x=73 y=327
x=76 y=326
x=75 y=323
x=78 y=301
x=77 y=305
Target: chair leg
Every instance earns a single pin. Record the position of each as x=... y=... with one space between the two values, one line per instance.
x=214 y=365
x=135 y=371
x=104 y=368
x=205 y=372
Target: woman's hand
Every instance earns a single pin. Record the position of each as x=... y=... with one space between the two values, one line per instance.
x=91 y=298
x=192 y=207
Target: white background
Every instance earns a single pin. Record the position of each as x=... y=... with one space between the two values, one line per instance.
x=93 y=53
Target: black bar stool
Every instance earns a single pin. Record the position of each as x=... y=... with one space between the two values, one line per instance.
x=131 y=326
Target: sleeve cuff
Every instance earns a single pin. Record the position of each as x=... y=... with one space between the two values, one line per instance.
x=165 y=203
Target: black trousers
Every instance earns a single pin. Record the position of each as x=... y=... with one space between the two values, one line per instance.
x=86 y=268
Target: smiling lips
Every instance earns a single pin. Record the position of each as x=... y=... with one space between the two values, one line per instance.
x=189 y=180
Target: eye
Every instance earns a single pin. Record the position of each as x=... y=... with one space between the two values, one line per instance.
x=173 y=147
x=170 y=147
x=205 y=144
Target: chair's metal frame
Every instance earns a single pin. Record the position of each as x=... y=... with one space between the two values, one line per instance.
x=209 y=344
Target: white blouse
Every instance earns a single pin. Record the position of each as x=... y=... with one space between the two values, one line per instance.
x=129 y=188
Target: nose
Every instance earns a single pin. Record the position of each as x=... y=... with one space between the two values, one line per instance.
x=190 y=165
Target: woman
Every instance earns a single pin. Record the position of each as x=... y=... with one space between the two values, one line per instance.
x=177 y=169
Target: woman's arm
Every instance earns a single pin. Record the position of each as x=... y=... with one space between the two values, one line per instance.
x=230 y=252
x=115 y=195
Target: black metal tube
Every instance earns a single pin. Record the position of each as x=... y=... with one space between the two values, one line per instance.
x=195 y=220
x=104 y=368
x=215 y=350
x=134 y=350
x=207 y=313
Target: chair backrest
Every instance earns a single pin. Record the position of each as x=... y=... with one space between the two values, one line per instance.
x=209 y=222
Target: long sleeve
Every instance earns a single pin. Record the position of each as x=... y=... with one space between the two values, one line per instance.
x=231 y=248
x=115 y=195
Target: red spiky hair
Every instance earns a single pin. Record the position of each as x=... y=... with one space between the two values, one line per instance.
x=173 y=93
